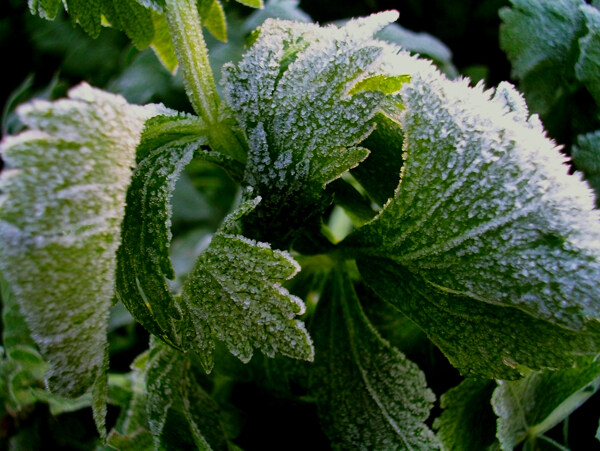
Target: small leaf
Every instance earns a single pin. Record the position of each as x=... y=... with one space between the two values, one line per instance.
x=529 y=407
x=387 y=84
x=369 y=395
x=235 y=293
x=468 y=422
x=62 y=205
x=587 y=68
x=180 y=414
x=213 y=18
x=586 y=157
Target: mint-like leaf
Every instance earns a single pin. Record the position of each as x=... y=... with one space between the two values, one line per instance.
x=235 y=293
x=292 y=96
x=529 y=407
x=468 y=422
x=360 y=379
x=61 y=210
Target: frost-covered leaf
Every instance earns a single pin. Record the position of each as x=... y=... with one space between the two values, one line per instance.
x=478 y=338
x=485 y=207
x=235 y=294
x=291 y=94
x=586 y=156
x=46 y=9
x=529 y=407
x=180 y=414
x=369 y=395
x=587 y=68
x=61 y=210
x=540 y=39
x=276 y=9
x=468 y=422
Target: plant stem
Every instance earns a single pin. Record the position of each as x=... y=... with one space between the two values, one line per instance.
x=186 y=29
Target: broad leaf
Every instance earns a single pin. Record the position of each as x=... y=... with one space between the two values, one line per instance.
x=61 y=210
x=468 y=422
x=586 y=157
x=291 y=94
x=587 y=68
x=485 y=208
x=528 y=408
x=180 y=414
x=369 y=395
x=540 y=39
x=132 y=18
x=235 y=293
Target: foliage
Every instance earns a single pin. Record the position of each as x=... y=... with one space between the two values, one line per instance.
x=339 y=225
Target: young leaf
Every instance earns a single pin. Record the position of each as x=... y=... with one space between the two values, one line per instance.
x=369 y=395
x=587 y=68
x=485 y=208
x=292 y=97
x=586 y=157
x=529 y=407
x=62 y=205
x=468 y=422
x=180 y=414
x=478 y=338
x=235 y=293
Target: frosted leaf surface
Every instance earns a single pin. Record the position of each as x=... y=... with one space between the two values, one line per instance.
x=235 y=293
x=62 y=204
x=369 y=395
x=529 y=407
x=292 y=97
x=485 y=208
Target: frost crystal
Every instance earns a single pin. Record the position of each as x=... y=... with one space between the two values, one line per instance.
x=63 y=198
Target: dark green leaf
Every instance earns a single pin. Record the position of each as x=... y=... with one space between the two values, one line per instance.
x=87 y=14
x=369 y=395
x=468 y=422
x=586 y=156
x=529 y=407
x=587 y=68
x=478 y=338
x=135 y=20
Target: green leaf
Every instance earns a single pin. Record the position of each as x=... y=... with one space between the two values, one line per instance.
x=235 y=293
x=529 y=407
x=134 y=19
x=46 y=9
x=162 y=44
x=540 y=40
x=87 y=14
x=180 y=414
x=251 y=3
x=369 y=395
x=213 y=18
x=587 y=68
x=155 y=5
x=291 y=94
x=387 y=84
x=468 y=422
x=62 y=206
x=485 y=208
x=586 y=156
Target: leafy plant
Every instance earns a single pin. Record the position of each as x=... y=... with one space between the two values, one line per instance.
x=385 y=212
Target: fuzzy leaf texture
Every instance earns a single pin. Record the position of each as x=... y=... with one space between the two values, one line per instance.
x=62 y=204
x=485 y=217
x=293 y=96
x=235 y=293
x=369 y=395
x=529 y=407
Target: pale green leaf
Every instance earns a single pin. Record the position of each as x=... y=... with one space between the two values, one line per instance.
x=369 y=395
x=162 y=44
x=251 y=3
x=180 y=414
x=587 y=68
x=235 y=293
x=61 y=210
x=529 y=407
x=586 y=157
x=478 y=338
x=485 y=208
x=468 y=422
x=213 y=18
x=291 y=94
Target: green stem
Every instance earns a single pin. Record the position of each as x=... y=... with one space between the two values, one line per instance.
x=186 y=29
